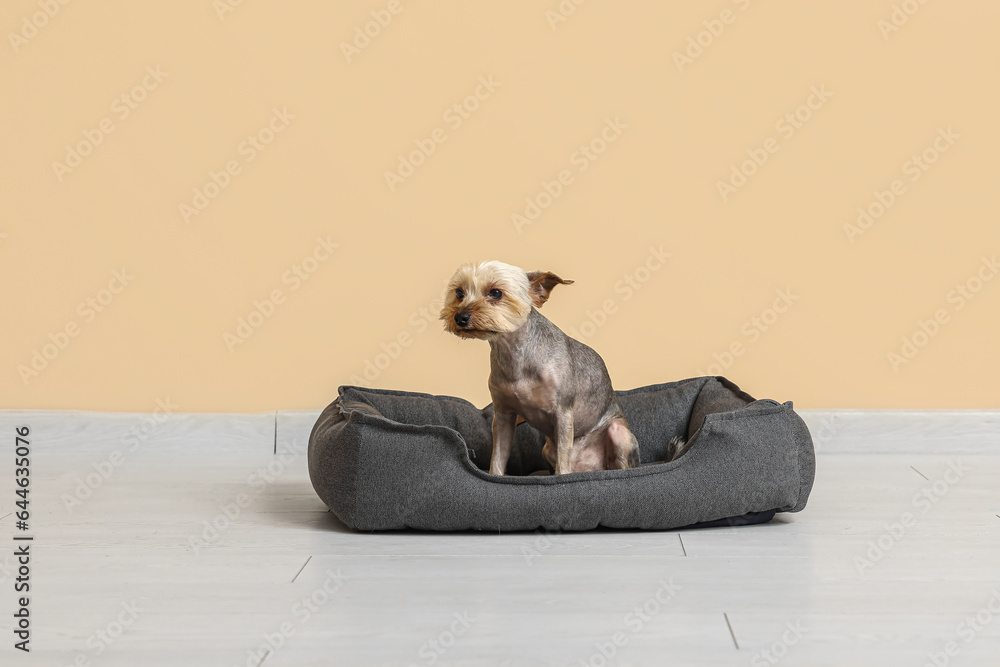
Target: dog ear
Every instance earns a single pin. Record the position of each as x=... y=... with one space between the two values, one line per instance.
x=542 y=283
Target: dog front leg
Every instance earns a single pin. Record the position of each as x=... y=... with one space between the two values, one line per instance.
x=503 y=439
x=564 y=442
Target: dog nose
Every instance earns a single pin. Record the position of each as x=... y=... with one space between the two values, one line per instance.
x=462 y=319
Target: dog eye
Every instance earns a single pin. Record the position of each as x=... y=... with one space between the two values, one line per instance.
x=494 y=294
x=459 y=294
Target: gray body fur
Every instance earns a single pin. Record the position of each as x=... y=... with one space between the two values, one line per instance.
x=562 y=388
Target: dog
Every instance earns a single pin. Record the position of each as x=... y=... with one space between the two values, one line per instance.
x=538 y=374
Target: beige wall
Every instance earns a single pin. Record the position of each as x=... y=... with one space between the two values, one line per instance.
x=769 y=266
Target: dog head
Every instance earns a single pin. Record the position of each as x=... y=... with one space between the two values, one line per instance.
x=492 y=298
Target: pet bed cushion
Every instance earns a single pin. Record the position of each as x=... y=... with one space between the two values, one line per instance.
x=385 y=459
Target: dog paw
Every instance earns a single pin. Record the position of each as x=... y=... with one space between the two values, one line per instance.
x=676 y=448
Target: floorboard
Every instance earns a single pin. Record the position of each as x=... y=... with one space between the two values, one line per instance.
x=205 y=544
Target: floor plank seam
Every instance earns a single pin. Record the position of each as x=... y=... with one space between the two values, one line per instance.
x=300 y=570
x=920 y=473
x=731 y=633
x=266 y=656
x=275 y=451
x=681 y=540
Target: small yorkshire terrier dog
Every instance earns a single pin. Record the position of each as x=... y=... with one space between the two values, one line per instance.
x=538 y=374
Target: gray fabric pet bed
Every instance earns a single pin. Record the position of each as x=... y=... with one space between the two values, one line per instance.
x=391 y=459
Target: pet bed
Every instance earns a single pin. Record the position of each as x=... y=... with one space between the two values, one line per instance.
x=385 y=459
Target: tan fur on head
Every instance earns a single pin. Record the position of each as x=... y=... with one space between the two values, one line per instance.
x=497 y=297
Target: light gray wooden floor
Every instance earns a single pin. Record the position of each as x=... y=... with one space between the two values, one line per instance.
x=205 y=545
